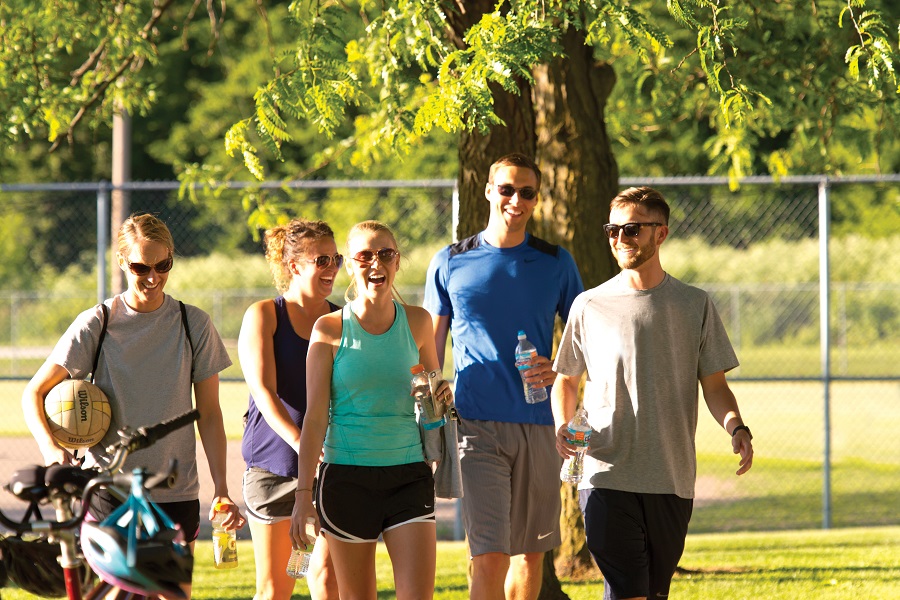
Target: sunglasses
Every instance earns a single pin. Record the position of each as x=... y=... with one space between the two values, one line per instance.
x=508 y=191
x=325 y=261
x=140 y=269
x=385 y=256
x=629 y=229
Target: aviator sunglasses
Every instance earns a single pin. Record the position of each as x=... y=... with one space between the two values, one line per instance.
x=140 y=269
x=385 y=256
x=324 y=261
x=629 y=229
x=507 y=191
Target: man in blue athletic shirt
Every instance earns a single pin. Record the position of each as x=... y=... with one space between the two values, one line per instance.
x=482 y=291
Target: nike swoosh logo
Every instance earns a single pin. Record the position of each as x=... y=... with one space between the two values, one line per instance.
x=429 y=506
x=530 y=259
x=543 y=535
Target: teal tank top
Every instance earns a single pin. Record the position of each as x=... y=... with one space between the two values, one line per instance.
x=372 y=421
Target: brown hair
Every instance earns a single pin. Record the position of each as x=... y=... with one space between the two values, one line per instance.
x=287 y=243
x=370 y=226
x=647 y=197
x=143 y=226
x=516 y=159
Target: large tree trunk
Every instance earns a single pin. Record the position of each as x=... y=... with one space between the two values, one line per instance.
x=560 y=122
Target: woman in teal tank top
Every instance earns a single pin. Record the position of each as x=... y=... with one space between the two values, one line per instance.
x=374 y=480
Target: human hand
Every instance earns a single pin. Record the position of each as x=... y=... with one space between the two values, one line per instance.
x=54 y=454
x=304 y=512
x=444 y=394
x=234 y=518
x=563 y=446
x=541 y=373
x=741 y=444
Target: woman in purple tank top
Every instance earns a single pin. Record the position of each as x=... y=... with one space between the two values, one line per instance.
x=274 y=338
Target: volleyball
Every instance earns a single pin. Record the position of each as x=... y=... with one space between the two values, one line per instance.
x=78 y=413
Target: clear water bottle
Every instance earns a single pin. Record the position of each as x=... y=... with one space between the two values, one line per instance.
x=580 y=437
x=525 y=355
x=224 y=540
x=421 y=389
x=298 y=563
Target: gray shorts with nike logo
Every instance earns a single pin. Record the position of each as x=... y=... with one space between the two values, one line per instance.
x=510 y=475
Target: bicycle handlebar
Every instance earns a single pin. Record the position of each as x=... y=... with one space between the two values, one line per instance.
x=68 y=479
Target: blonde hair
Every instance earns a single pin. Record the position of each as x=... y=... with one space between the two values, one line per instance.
x=375 y=227
x=143 y=226
x=287 y=243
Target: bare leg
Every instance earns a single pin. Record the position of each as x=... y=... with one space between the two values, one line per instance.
x=413 y=551
x=322 y=579
x=272 y=549
x=523 y=581
x=488 y=576
x=354 y=565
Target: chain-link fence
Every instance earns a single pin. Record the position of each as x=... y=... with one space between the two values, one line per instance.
x=822 y=396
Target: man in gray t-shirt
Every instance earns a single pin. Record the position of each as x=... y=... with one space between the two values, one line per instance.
x=644 y=339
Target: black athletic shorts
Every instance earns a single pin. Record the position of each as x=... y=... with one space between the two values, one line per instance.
x=636 y=539
x=186 y=514
x=356 y=504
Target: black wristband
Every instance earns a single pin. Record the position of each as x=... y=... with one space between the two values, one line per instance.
x=740 y=427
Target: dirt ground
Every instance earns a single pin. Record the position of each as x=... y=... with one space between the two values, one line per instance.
x=18 y=452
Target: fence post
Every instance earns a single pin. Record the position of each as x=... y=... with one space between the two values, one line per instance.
x=825 y=343
x=102 y=238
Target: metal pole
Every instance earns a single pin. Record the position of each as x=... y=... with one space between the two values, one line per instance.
x=825 y=344
x=102 y=239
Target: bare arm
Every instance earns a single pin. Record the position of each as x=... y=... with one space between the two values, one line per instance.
x=37 y=389
x=215 y=445
x=563 y=401
x=323 y=342
x=441 y=327
x=724 y=408
x=256 y=352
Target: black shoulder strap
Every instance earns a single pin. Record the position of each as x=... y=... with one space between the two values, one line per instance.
x=187 y=330
x=104 y=320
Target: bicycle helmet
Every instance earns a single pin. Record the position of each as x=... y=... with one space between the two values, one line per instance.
x=33 y=565
x=138 y=548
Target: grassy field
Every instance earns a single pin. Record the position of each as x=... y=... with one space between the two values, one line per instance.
x=784 y=490
x=821 y=565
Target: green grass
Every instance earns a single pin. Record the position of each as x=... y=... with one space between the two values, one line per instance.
x=820 y=565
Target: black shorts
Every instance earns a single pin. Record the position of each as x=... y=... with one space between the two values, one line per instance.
x=356 y=504
x=636 y=539
x=186 y=514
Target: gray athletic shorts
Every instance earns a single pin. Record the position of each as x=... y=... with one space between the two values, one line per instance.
x=510 y=476
x=269 y=497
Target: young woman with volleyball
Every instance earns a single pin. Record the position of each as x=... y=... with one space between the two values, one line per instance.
x=272 y=346
x=374 y=480
x=151 y=357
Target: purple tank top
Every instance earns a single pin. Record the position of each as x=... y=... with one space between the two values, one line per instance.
x=261 y=447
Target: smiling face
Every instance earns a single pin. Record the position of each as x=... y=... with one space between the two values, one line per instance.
x=145 y=292
x=310 y=280
x=373 y=279
x=510 y=214
x=635 y=252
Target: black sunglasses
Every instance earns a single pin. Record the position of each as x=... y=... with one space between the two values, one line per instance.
x=507 y=191
x=385 y=256
x=140 y=269
x=629 y=229
x=325 y=261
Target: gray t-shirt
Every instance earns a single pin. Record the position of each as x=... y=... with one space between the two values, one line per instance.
x=644 y=351
x=145 y=370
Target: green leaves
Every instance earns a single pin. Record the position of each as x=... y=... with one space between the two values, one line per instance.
x=873 y=49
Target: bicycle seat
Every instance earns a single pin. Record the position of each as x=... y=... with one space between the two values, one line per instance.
x=28 y=483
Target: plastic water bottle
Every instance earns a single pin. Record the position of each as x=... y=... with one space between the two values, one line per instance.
x=421 y=389
x=298 y=563
x=580 y=437
x=224 y=541
x=525 y=354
